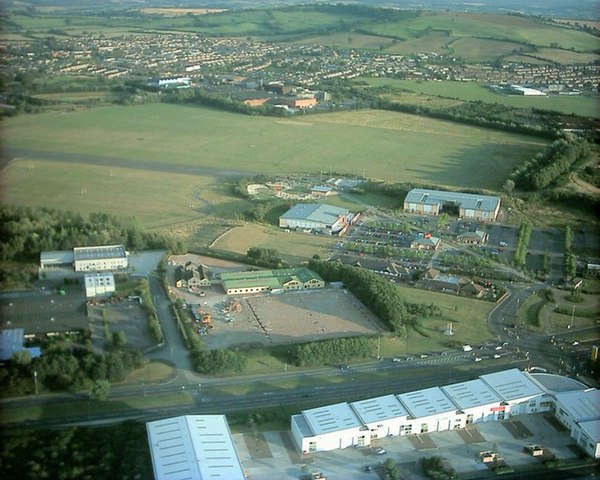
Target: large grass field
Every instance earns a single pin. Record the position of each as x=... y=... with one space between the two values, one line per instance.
x=472 y=91
x=389 y=145
x=513 y=28
x=294 y=247
x=156 y=199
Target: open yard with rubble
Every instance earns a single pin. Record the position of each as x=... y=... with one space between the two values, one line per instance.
x=291 y=317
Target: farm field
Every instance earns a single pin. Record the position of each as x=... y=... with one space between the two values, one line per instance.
x=395 y=146
x=512 y=28
x=471 y=91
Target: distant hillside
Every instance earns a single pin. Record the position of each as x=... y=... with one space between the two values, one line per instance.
x=581 y=9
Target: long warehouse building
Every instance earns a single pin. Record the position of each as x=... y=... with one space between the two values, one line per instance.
x=492 y=397
x=466 y=205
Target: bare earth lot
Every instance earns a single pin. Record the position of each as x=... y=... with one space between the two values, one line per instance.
x=126 y=316
x=293 y=317
x=269 y=319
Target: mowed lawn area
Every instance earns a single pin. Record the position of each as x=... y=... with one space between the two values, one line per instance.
x=293 y=247
x=473 y=91
x=468 y=316
x=384 y=145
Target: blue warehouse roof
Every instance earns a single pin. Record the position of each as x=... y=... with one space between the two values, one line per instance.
x=465 y=200
x=315 y=212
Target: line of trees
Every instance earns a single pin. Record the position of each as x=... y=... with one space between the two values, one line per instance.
x=27 y=231
x=379 y=295
x=570 y=267
x=330 y=351
x=555 y=162
x=520 y=255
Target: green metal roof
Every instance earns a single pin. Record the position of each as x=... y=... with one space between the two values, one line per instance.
x=267 y=278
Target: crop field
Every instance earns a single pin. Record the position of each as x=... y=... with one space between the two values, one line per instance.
x=394 y=146
x=495 y=27
x=483 y=49
x=565 y=57
x=471 y=91
x=347 y=40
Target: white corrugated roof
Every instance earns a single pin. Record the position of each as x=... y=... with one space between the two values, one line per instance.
x=582 y=405
x=332 y=418
x=512 y=384
x=427 y=402
x=474 y=393
x=193 y=447
x=380 y=408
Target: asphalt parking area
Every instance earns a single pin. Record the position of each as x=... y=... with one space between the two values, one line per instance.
x=517 y=429
x=257 y=446
x=422 y=442
x=471 y=435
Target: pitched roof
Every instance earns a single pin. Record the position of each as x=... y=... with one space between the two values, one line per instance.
x=315 y=212
x=196 y=447
x=464 y=200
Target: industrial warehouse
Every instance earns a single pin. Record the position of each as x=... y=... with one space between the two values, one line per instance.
x=319 y=217
x=87 y=259
x=202 y=447
x=465 y=205
x=492 y=397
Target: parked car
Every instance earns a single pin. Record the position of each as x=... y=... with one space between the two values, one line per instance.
x=380 y=451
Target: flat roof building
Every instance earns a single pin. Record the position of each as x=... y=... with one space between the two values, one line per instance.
x=467 y=205
x=98 y=284
x=87 y=259
x=318 y=216
x=193 y=447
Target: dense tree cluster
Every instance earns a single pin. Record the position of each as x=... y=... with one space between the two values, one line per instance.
x=28 y=231
x=264 y=257
x=330 y=351
x=436 y=468
x=63 y=368
x=212 y=362
x=108 y=453
x=549 y=166
x=375 y=292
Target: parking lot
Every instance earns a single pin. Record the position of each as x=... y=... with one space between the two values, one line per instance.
x=277 y=458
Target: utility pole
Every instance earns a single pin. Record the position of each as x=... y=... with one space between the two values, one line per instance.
x=572 y=318
x=35 y=381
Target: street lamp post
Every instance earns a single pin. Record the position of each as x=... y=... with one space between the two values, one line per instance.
x=35 y=381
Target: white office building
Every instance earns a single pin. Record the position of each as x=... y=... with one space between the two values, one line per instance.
x=99 y=284
x=97 y=259
x=579 y=411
